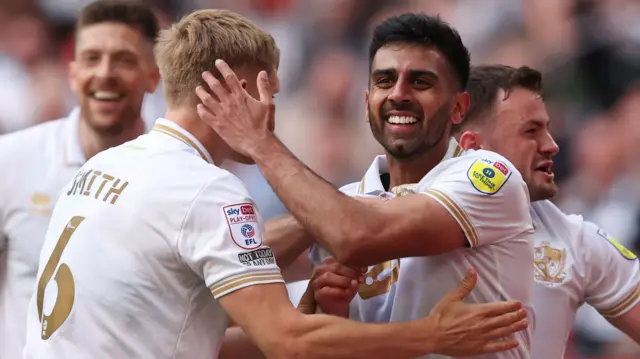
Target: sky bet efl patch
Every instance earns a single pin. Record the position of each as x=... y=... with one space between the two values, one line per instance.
x=243 y=225
x=488 y=176
x=622 y=249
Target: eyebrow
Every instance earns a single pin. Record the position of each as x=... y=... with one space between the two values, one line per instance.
x=414 y=73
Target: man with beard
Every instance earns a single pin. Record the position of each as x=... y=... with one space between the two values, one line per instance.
x=113 y=68
x=472 y=209
x=575 y=261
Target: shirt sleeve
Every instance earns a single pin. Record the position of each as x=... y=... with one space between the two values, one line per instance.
x=221 y=239
x=487 y=197
x=612 y=272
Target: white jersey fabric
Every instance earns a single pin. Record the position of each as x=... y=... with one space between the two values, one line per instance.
x=489 y=199
x=36 y=163
x=576 y=262
x=140 y=245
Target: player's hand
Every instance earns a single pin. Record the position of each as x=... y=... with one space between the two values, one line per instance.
x=238 y=118
x=474 y=329
x=334 y=286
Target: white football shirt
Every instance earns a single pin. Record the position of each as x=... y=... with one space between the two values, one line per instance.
x=576 y=262
x=36 y=163
x=141 y=244
x=487 y=196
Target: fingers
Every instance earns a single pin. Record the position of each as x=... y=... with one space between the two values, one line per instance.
x=505 y=331
x=504 y=320
x=335 y=281
x=216 y=87
x=499 y=346
x=263 y=88
x=464 y=288
x=229 y=76
x=495 y=309
x=332 y=294
x=212 y=105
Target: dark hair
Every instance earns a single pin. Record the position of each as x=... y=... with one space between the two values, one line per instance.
x=425 y=30
x=486 y=81
x=127 y=12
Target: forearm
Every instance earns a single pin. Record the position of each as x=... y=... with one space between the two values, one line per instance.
x=328 y=337
x=330 y=217
x=236 y=344
x=629 y=323
x=287 y=238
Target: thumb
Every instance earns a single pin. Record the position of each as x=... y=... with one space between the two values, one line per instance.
x=465 y=287
x=263 y=87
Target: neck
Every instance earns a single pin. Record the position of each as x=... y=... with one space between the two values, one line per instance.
x=190 y=121
x=406 y=172
x=93 y=142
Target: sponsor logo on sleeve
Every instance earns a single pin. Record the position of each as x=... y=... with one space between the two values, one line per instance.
x=243 y=225
x=257 y=258
x=622 y=249
x=488 y=176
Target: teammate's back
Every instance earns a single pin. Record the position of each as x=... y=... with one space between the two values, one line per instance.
x=114 y=247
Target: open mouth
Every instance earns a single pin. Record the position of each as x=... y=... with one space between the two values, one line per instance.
x=402 y=120
x=545 y=168
x=107 y=96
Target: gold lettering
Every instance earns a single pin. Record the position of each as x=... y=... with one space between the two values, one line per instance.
x=106 y=178
x=95 y=175
x=64 y=280
x=115 y=191
x=379 y=286
x=78 y=183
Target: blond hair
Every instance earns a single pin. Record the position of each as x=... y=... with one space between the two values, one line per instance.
x=190 y=47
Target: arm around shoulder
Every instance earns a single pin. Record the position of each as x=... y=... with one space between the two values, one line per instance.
x=453 y=328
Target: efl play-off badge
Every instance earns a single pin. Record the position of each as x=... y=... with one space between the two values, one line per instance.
x=488 y=176
x=622 y=249
x=243 y=225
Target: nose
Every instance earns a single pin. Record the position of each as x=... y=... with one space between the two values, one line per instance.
x=104 y=68
x=548 y=145
x=399 y=92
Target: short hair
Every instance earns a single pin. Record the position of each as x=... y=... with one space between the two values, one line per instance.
x=127 y=12
x=486 y=81
x=427 y=31
x=192 y=45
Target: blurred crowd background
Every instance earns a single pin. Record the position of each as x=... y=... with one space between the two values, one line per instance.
x=588 y=50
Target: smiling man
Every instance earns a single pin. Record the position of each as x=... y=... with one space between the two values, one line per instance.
x=575 y=261
x=113 y=68
x=471 y=208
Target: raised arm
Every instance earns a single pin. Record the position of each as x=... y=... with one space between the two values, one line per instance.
x=453 y=328
x=356 y=233
x=287 y=238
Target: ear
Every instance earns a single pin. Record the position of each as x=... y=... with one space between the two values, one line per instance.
x=471 y=140
x=366 y=106
x=460 y=108
x=154 y=80
x=72 y=75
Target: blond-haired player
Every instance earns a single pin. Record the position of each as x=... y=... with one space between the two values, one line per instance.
x=575 y=262
x=152 y=245
x=471 y=210
x=112 y=70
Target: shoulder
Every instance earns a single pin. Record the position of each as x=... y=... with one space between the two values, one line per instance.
x=32 y=138
x=484 y=172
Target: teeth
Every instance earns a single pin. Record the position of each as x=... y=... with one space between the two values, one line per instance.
x=402 y=120
x=106 y=95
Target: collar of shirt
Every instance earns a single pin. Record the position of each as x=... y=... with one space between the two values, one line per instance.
x=178 y=133
x=73 y=153
x=372 y=184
